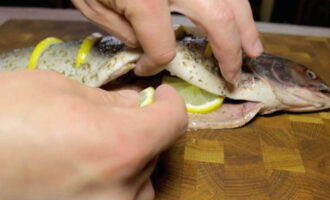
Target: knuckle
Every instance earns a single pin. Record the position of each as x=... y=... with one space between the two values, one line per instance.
x=251 y=32
x=93 y=16
x=224 y=16
x=108 y=98
x=77 y=109
x=163 y=58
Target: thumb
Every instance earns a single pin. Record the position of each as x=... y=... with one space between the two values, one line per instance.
x=125 y=98
x=166 y=117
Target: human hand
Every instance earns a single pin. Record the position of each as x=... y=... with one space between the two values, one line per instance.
x=228 y=25
x=63 y=140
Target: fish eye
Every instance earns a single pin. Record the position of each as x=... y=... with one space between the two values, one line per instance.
x=311 y=75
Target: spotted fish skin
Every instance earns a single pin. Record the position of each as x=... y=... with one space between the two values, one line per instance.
x=267 y=84
x=106 y=61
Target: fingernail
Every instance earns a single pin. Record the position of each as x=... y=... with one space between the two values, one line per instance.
x=258 y=47
x=163 y=90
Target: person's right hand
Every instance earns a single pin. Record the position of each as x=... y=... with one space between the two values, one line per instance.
x=63 y=140
x=228 y=24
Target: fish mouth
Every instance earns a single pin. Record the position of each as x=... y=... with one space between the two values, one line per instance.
x=231 y=114
x=297 y=88
x=310 y=101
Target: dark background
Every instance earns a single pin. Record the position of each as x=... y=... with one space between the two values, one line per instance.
x=303 y=12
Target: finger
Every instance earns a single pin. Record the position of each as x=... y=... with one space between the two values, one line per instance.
x=247 y=28
x=166 y=120
x=121 y=98
x=221 y=29
x=146 y=192
x=143 y=174
x=108 y=20
x=151 y=21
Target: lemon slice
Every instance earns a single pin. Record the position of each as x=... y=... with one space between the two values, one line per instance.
x=146 y=96
x=39 y=48
x=197 y=100
x=85 y=48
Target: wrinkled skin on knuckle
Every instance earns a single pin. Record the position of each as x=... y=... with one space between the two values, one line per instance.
x=222 y=17
x=117 y=5
x=162 y=58
x=90 y=13
x=108 y=98
x=136 y=8
x=127 y=8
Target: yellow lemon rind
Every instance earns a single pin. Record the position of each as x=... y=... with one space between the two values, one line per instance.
x=85 y=48
x=203 y=109
x=146 y=96
x=39 y=49
x=183 y=87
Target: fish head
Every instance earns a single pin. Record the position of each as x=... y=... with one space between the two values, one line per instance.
x=296 y=87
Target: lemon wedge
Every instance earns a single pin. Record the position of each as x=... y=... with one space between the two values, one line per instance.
x=85 y=48
x=39 y=49
x=146 y=96
x=197 y=100
x=208 y=51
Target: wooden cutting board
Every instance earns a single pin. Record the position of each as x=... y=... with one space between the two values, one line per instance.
x=277 y=157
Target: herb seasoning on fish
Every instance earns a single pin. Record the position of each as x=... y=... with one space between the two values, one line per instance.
x=267 y=84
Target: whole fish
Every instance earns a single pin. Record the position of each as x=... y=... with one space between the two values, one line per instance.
x=267 y=84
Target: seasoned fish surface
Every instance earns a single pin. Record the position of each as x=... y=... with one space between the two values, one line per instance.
x=267 y=84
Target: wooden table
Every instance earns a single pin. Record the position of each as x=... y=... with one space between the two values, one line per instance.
x=277 y=157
